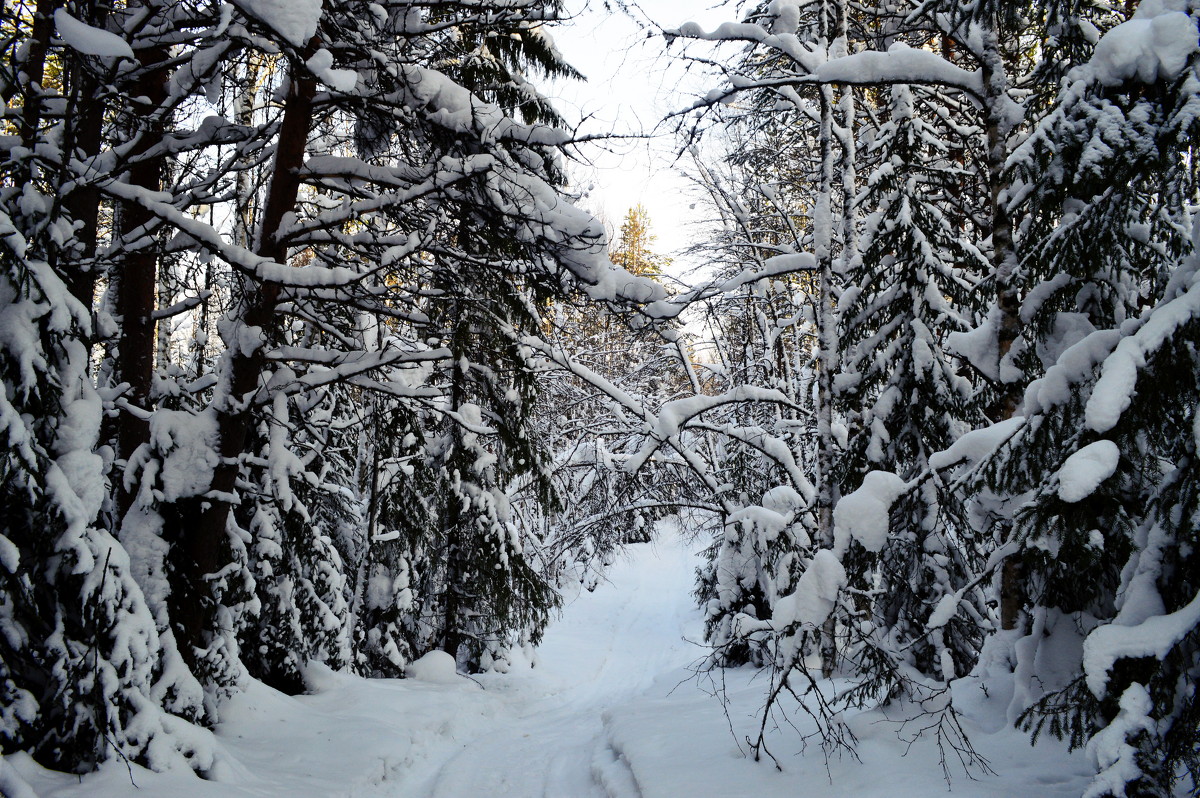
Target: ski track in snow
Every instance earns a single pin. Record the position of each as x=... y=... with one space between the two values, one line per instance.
x=612 y=646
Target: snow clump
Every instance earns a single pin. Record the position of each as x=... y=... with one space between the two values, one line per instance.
x=294 y=20
x=815 y=595
x=436 y=666
x=1155 y=45
x=85 y=39
x=1083 y=471
x=863 y=514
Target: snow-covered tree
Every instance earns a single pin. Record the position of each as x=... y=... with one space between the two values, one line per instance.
x=762 y=335
x=603 y=504
x=244 y=186
x=1105 y=530
x=903 y=397
x=981 y=258
x=85 y=674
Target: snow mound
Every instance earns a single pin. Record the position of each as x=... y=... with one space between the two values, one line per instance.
x=863 y=514
x=436 y=666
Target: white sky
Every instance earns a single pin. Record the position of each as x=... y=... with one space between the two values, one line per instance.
x=631 y=86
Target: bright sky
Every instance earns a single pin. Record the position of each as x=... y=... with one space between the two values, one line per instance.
x=632 y=84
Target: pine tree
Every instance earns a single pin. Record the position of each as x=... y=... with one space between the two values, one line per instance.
x=83 y=671
x=487 y=594
x=634 y=249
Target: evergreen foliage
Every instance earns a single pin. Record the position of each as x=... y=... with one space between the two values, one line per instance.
x=266 y=273
x=305 y=357
x=1010 y=275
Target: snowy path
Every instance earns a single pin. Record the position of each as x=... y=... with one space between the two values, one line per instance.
x=611 y=647
x=599 y=717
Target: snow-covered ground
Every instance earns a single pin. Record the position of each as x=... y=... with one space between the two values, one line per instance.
x=609 y=710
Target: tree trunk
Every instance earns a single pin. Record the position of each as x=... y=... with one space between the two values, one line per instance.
x=1004 y=257
x=828 y=339
x=83 y=203
x=137 y=282
x=34 y=67
x=83 y=137
x=452 y=634
x=196 y=525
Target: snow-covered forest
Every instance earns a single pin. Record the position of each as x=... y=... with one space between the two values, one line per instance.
x=318 y=382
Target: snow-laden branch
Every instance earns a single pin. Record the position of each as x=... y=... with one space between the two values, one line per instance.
x=207 y=236
x=772 y=447
x=777 y=266
x=807 y=56
x=665 y=428
x=899 y=64
x=1114 y=391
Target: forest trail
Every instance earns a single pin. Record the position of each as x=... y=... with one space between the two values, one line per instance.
x=598 y=717
x=612 y=647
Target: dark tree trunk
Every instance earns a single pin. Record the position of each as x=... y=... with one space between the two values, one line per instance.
x=83 y=203
x=452 y=635
x=137 y=282
x=196 y=525
x=34 y=67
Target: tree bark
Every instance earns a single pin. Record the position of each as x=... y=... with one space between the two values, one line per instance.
x=197 y=525
x=1004 y=257
x=456 y=553
x=137 y=282
x=34 y=67
x=827 y=332
x=83 y=203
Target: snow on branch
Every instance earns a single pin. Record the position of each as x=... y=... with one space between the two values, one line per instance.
x=1146 y=47
x=456 y=108
x=863 y=515
x=294 y=20
x=977 y=445
x=85 y=39
x=674 y=416
x=777 y=266
x=807 y=56
x=1115 y=389
x=310 y=276
x=1153 y=637
x=899 y=64
x=770 y=446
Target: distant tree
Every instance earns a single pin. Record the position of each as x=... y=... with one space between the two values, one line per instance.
x=605 y=505
x=634 y=251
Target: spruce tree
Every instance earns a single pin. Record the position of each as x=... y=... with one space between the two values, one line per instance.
x=1105 y=532
x=910 y=287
